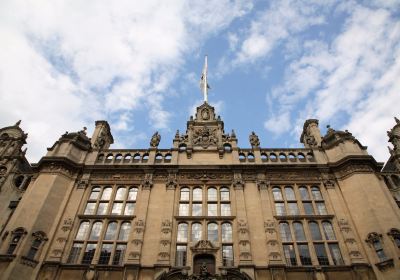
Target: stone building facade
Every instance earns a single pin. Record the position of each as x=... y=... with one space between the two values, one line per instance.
x=204 y=209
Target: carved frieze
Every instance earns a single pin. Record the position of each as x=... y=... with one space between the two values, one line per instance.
x=111 y=176
x=293 y=176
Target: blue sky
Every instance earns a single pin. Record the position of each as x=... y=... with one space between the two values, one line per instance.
x=137 y=64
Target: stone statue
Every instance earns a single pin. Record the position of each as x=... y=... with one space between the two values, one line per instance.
x=155 y=140
x=203 y=269
x=101 y=141
x=254 y=141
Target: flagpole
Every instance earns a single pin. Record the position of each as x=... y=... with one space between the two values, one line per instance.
x=205 y=89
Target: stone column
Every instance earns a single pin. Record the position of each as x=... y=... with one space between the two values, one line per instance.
x=274 y=252
x=245 y=257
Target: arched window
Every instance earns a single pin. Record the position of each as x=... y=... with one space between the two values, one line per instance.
x=168 y=157
x=132 y=193
x=395 y=234
x=315 y=232
x=304 y=193
x=196 y=232
x=111 y=231
x=197 y=194
x=328 y=231
x=83 y=231
x=285 y=232
x=226 y=232
x=16 y=237
x=106 y=194
x=375 y=240
x=316 y=193
x=124 y=231
x=95 y=193
x=289 y=193
x=185 y=194
x=299 y=231
x=212 y=232
x=121 y=193
x=182 y=232
x=38 y=238
x=212 y=194
x=96 y=229
x=224 y=193
x=276 y=192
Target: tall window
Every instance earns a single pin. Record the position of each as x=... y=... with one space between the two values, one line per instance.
x=109 y=238
x=196 y=232
x=103 y=201
x=212 y=232
x=16 y=237
x=200 y=210
x=38 y=238
x=191 y=202
x=375 y=240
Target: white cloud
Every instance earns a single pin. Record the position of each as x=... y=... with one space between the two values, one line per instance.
x=67 y=63
x=281 y=20
x=355 y=76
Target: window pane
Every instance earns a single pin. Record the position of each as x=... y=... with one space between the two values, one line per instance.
x=90 y=208
x=117 y=208
x=75 y=252
x=124 y=231
x=212 y=209
x=182 y=232
x=277 y=194
x=321 y=254
x=106 y=194
x=180 y=255
x=89 y=253
x=132 y=194
x=212 y=232
x=183 y=209
x=185 y=194
x=381 y=255
x=227 y=255
x=196 y=232
x=280 y=208
x=83 y=231
x=212 y=194
x=119 y=254
x=290 y=255
x=129 y=208
x=321 y=209
x=96 y=229
x=197 y=209
x=105 y=253
x=315 y=232
x=304 y=193
x=226 y=232
x=102 y=209
x=285 y=232
x=111 y=231
x=328 y=231
x=121 y=192
x=293 y=208
x=95 y=193
x=299 y=231
x=225 y=209
x=335 y=253
x=289 y=193
x=316 y=193
x=224 y=192
x=304 y=253
x=308 y=208
x=197 y=194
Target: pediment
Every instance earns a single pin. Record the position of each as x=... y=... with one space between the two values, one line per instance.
x=204 y=246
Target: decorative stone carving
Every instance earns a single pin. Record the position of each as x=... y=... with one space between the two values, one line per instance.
x=205 y=137
x=147 y=181
x=204 y=246
x=67 y=225
x=254 y=140
x=155 y=140
x=263 y=185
